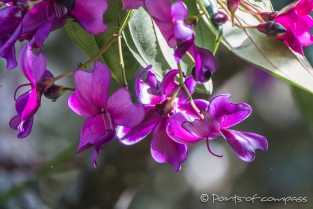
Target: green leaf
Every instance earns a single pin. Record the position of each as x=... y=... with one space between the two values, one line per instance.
x=267 y=53
x=141 y=39
x=91 y=44
x=148 y=45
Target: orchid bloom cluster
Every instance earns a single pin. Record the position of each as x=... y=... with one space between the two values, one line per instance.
x=166 y=109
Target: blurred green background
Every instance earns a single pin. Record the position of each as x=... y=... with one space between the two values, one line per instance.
x=44 y=171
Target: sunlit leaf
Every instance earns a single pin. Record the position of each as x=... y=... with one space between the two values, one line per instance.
x=148 y=46
x=91 y=44
x=268 y=53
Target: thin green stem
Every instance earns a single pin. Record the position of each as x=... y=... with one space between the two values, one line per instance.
x=246 y=26
x=122 y=66
x=125 y=21
x=182 y=84
x=62 y=76
x=99 y=53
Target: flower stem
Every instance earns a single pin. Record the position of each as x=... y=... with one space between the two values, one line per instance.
x=99 y=53
x=245 y=26
x=122 y=66
x=125 y=21
x=182 y=84
x=62 y=76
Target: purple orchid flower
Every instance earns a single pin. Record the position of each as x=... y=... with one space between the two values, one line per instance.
x=292 y=24
x=171 y=21
x=298 y=22
x=103 y=113
x=162 y=102
x=50 y=15
x=34 y=69
x=19 y=22
x=10 y=29
x=219 y=116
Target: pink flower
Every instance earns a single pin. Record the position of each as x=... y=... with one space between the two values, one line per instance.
x=297 y=21
x=103 y=113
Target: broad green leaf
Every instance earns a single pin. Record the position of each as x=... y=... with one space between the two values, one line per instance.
x=268 y=53
x=91 y=44
x=148 y=46
x=141 y=39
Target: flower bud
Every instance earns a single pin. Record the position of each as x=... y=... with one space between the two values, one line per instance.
x=219 y=18
x=44 y=84
x=206 y=74
x=232 y=5
x=192 y=21
x=54 y=92
x=272 y=28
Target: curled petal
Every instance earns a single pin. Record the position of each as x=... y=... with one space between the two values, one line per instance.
x=205 y=64
x=33 y=66
x=124 y=112
x=31 y=106
x=94 y=130
x=165 y=150
x=90 y=16
x=244 y=143
x=27 y=126
x=168 y=85
x=227 y=113
x=130 y=136
x=94 y=86
x=176 y=131
x=202 y=128
x=146 y=90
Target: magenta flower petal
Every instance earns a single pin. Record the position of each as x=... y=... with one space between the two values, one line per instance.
x=132 y=4
x=160 y=11
x=101 y=143
x=10 y=18
x=7 y=49
x=93 y=129
x=168 y=85
x=188 y=109
x=130 y=136
x=41 y=34
x=121 y=106
x=244 y=143
x=88 y=84
x=165 y=150
x=202 y=129
x=33 y=66
x=177 y=132
x=147 y=90
x=81 y=106
x=27 y=126
x=227 y=113
x=90 y=16
x=32 y=105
